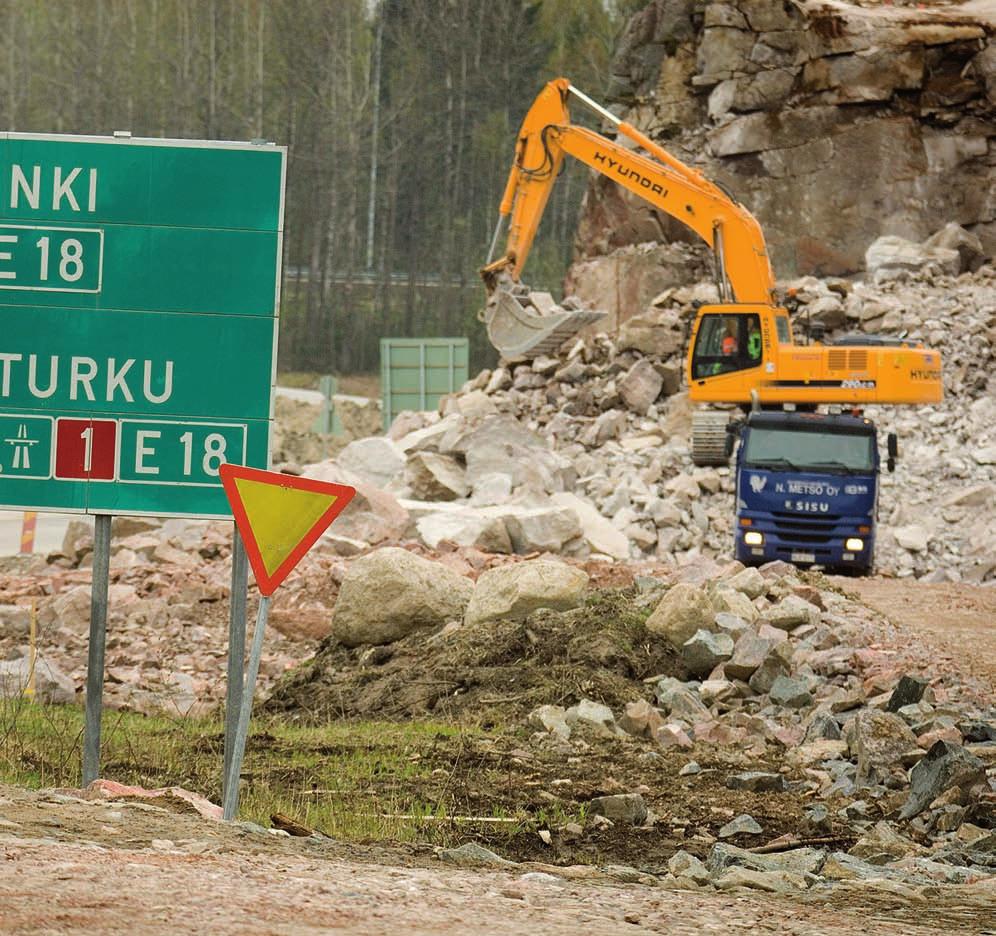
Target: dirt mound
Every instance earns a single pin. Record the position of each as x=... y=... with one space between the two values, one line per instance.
x=488 y=671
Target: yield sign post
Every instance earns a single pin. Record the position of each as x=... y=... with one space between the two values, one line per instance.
x=280 y=517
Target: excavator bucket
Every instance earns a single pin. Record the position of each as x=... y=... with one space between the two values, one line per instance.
x=524 y=325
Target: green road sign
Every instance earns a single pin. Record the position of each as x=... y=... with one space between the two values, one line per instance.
x=139 y=294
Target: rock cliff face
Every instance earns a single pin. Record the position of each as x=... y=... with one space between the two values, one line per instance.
x=833 y=122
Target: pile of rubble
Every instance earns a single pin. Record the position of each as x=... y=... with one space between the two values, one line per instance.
x=587 y=453
x=782 y=686
x=167 y=626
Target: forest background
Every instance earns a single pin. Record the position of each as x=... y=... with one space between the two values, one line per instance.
x=400 y=118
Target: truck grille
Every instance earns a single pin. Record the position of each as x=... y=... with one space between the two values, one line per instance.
x=809 y=529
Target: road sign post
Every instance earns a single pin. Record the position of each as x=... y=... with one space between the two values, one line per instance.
x=279 y=517
x=236 y=648
x=95 y=652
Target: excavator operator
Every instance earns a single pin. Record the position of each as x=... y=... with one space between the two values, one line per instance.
x=729 y=344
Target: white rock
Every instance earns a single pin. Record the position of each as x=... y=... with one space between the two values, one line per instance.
x=391 y=592
x=515 y=591
x=597 y=531
x=377 y=460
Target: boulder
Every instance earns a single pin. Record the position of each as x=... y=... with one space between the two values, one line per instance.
x=392 y=592
x=15 y=621
x=591 y=713
x=52 y=685
x=729 y=601
x=882 y=844
x=679 y=701
x=515 y=591
x=749 y=653
x=750 y=582
x=742 y=825
x=372 y=516
x=492 y=489
x=684 y=865
x=78 y=539
x=377 y=460
x=777 y=662
x=757 y=781
x=503 y=445
x=600 y=535
x=621 y=807
x=796 y=860
x=908 y=691
x=945 y=765
x=540 y=529
x=954 y=237
x=640 y=719
x=464 y=528
x=685 y=609
x=551 y=718
x=890 y=255
x=878 y=740
x=68 y=609
x=791 y=612
x=640 y=386
x=704 y=651
x=791 y=693
x=913 y=537
x=435 y=477
x=653 y=333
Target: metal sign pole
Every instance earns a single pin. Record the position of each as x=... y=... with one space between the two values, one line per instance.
x=236 y=648
x=98 y=641
x=231 y=802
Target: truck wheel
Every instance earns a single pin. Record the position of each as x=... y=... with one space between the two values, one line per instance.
x=709 y=437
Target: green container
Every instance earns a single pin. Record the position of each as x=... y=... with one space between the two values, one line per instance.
x=416 y=372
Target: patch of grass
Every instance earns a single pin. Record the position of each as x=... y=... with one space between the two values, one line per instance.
x=359 y=782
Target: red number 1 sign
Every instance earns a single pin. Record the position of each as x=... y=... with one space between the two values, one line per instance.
x=86 y=449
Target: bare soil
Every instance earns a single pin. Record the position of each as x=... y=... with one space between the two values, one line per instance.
x=956 y=622
x=120 y=867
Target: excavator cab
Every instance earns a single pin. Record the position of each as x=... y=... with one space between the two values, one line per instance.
x=726 y=342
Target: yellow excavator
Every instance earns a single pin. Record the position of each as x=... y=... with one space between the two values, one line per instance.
x=741 y=350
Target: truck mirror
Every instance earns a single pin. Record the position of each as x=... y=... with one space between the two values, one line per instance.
x=891 y=464
x=732 y=432
x=892 y=445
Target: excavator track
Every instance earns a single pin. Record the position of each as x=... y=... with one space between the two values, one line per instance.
x=709 y=437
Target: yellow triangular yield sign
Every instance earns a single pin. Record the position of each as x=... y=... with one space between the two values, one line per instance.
x=280 y=517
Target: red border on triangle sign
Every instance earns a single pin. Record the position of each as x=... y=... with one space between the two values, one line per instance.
x=268 y=583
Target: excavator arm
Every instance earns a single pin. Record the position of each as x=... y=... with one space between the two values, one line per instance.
x=547 y=136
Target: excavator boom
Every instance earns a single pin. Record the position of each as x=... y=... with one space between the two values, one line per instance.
x=547 y=135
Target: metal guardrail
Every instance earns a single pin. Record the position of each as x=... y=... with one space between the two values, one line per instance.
x=376 y=278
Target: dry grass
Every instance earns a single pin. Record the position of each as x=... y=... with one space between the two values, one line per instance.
x=359 y=782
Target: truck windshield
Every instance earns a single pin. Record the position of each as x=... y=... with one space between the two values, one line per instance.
x=808 y=450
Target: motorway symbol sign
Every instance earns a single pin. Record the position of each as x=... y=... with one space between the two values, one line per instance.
x=280 y=517
x=139 y=295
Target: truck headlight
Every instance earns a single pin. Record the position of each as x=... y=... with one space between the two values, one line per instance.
x=754 y=538
x=854 y=544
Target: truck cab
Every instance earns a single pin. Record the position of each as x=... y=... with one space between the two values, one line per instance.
x=807 y=489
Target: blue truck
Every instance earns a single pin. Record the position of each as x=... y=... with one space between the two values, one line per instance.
x=807 y=489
